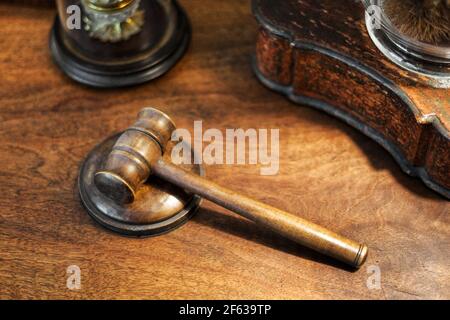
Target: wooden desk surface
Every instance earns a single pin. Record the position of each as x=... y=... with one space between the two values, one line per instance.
x=329 y=173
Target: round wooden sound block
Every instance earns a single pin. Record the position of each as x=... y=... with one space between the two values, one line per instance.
x=159 y=206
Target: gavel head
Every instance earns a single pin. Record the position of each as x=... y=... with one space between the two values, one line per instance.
x=130 y=161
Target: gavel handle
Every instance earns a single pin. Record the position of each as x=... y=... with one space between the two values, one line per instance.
x=300 y=230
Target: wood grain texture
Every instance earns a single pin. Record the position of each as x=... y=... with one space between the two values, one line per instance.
x=329 y=173
x=343 y=73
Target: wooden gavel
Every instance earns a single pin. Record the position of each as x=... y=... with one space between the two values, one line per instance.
x=137 y=154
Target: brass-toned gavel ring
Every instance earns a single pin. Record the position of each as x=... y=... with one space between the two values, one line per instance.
x=137 y=154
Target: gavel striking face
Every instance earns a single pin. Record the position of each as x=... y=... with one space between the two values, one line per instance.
x=134 y=154
x=137 y=155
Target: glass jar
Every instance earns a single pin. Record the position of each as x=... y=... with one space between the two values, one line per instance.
x=112 y=38
x=421 y=57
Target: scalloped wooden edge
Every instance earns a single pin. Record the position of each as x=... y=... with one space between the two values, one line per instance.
x=397 y=153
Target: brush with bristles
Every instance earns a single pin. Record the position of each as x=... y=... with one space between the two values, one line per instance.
x=423 y=20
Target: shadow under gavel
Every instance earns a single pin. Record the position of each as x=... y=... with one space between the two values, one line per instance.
x=137 y=155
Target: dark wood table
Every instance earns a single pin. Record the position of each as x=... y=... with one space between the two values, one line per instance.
x=329 y=173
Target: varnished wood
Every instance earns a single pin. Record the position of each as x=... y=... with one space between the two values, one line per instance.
x=139 y=155
x=320 y=54
x=329 y=173
x=291 y=226
x=157 y=208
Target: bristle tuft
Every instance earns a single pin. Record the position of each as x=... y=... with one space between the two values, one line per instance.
x=423 y=20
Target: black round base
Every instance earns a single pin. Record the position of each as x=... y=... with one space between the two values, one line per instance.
x=101 y=76
x=159 y=208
